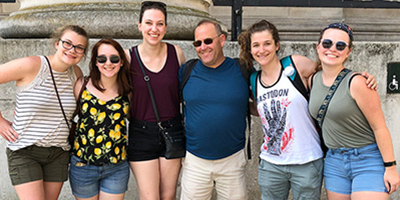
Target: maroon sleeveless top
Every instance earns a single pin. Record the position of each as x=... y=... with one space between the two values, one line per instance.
x=165 y=86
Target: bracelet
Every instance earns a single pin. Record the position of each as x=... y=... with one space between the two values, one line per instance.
x=389 y=164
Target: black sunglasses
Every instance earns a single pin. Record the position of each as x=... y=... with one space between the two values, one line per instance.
x=153 y=3
x=206 y=41
x=340 y=45
x=113 y=59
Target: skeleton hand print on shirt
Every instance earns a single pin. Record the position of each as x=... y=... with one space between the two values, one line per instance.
x=276 y=127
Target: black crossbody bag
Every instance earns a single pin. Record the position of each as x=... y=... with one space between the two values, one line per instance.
x=175 y=141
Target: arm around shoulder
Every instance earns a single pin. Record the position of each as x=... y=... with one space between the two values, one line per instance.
x=78 y=87
x=180 y=55
x=305 y=66
x=78 y=72
x=128 y=55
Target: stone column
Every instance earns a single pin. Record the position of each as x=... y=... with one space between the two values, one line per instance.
x=101 y=18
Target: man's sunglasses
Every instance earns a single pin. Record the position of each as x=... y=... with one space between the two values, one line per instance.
x=340 y=45
x=206 y=41
x=113 y=59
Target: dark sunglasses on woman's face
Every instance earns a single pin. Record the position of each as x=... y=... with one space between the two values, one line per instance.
x=328 y=43
x=206 y=41
x=113 y=59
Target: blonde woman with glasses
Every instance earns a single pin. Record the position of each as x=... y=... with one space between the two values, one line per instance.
x=37 y=145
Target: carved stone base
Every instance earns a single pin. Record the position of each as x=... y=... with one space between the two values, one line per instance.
x=100 y=19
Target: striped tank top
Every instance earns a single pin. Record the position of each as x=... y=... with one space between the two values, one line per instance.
x=38 y=118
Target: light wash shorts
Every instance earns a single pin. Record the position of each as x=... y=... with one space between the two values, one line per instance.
x=349 y=170
x=87 y=181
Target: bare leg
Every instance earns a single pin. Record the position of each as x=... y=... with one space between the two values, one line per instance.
x=31 y=191
x=337 y=196
x=147 y=175
x=169 y=172
x=96 y=197
x=370 y=196
x=52 y=190
x=107 y=196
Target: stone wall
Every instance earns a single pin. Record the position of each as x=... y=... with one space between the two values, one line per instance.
x=7 y=8
x=296 y=23
x=370 y=56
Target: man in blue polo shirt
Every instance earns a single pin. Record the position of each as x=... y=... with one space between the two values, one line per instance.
x=216 y=97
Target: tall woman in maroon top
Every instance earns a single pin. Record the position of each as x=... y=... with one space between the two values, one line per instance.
x=156 y=176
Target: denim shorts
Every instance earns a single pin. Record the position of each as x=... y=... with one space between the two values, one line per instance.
x=33 y=163
x=146 y=141
x=87 y=181
x=349 y=170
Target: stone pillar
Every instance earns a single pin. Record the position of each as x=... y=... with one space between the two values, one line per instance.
x=101 y=18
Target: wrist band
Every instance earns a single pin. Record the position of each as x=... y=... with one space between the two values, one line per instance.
x=389 y=164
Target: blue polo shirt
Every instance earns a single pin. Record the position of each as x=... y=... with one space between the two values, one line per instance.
x=215 y=112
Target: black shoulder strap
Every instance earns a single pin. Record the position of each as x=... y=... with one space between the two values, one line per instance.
x=245 y=72
x=246 y=75
x=187 y=69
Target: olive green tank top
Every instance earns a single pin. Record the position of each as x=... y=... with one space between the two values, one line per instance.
x=344 y=125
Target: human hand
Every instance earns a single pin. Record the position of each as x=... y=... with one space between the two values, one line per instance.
x=276 y=120
x=371 y=81
x=391 y=179
x=6 y=131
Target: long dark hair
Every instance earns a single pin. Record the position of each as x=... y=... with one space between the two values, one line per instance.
x=123 y=79
x=245 y=40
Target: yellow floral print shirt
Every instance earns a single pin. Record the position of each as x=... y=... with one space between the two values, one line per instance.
x=100 y=137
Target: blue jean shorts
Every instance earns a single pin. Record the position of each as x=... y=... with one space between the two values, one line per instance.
x=87 y=181
x=349 y=170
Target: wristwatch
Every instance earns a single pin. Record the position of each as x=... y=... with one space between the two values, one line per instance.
x=389 y=164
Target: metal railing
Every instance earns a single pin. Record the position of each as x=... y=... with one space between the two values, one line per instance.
x=237 y=7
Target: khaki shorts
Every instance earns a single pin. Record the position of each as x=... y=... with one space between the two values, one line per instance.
x=33 y=163
x=227 y=175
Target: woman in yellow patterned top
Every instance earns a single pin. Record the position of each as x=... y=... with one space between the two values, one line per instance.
x=99 y=169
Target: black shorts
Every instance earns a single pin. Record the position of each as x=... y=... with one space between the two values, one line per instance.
x=146 y=141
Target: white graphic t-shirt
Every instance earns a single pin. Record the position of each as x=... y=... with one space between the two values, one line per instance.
x=290 y=136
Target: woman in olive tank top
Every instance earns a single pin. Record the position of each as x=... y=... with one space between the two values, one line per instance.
x=360 y=162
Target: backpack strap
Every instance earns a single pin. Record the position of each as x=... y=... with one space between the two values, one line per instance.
x=245 y=72
x=295 y=77
x=246 y=75
x=187 y=69
x=253 y=83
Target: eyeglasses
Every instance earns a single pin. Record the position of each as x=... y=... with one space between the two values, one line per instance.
x=206 y=41
x=113 y=59
x=68 y=45
x=154 y=3
x=340 y=45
